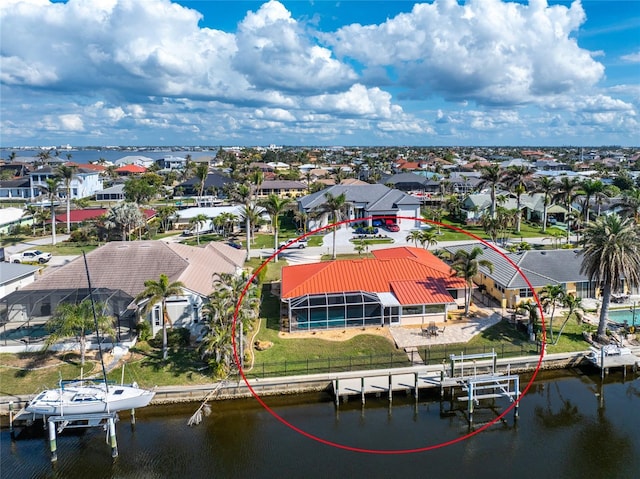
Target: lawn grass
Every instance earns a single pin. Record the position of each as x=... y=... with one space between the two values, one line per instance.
x=39 y=372
x=68 y=249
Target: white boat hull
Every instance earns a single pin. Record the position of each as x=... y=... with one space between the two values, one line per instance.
x=89 y=399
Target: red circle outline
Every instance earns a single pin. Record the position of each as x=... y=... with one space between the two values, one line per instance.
x=390 y=451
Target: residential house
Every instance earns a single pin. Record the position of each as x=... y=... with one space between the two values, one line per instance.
x=541 y=267
x=130 y=170
x=213 y=185
x=12 y=217
x=365 y=201
x=17 y=188
x=118 y=271
x=113 y=193
x=14 y=276
x=137 y=160
x=281 y=188
x=398 y=287
x=84 y=183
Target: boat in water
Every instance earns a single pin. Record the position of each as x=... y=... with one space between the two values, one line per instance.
x=85 y=397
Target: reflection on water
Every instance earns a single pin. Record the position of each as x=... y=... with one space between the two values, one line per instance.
x=570 y=426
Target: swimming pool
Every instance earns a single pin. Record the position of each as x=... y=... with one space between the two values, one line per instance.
x=621 y=315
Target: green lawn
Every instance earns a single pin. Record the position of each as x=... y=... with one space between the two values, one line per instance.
x=37 y=374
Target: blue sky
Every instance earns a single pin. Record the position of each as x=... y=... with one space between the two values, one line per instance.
x=209 y=72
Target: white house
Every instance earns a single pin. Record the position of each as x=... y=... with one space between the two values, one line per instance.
x=85 y=182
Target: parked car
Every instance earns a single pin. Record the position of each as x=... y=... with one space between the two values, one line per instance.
x=235 y=245
x=294 y=244
x=389 y=225
x=30 y=256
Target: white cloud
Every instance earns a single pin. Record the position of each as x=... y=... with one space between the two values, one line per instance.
x=490 y=51
x=631 y=57
x=71 y=122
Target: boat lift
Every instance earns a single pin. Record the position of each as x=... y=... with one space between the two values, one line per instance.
x=107 y=421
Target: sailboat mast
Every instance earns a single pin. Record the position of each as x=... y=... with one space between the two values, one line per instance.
x=95 y=322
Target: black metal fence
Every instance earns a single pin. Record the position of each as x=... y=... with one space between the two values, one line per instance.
x=427 y=356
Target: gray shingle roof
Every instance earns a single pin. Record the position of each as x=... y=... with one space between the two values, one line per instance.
x=540 y=267
x=374 y=197
x=12 y=271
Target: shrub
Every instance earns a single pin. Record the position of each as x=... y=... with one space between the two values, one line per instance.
x=144 y=330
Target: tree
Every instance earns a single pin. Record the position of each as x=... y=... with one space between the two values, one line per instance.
x=550 y=296
x=466 y=265
x=197 y=222
x=66 y=172
x=518 y=178
x=611 y=258
x=141 y=190
x=546 y=186
x=590 y=189
x=532 y=311
x=76 y=321
x=219 y=311
x=275 y=206
x=490 y=176
x=336 y=207
x=630 y=203
x=250 y=214
x=158 y=292
x=428 y=238
x=202 y=171
x=51 y=190
x=32 y=211
x=566 y=192
x=413 y=235
x=126 y=217
x=165 y=214
x=574 y=308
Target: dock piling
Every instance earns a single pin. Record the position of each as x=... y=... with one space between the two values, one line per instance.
x=112 y=438
x=52 y=441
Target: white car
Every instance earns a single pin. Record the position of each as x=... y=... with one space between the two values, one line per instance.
x=294 y=244
x=30 y=256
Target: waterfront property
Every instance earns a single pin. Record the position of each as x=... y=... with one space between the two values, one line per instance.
x=541 y=267
x=118 y=272
x=399 y=286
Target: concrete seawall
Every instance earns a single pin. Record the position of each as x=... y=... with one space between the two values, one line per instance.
x=323 y=382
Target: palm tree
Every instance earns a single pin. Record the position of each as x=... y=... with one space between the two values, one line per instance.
x=611 y=258
x=76 y=321
x=197 y=222
x=550 y=296
x=518 y=178
x=51 y=190
x=466 y=265
x=630 y=203
x=158 y=292
x=219 y=313
x=336 y=207
x=66 y=172
x=531 y=308
x=589 y=189
x=275 y=206
x=413 y=235
x=574 y=308
x=202 y=171
x=125 y=216
x=32 y=211
x=256 y=178
x=491 y=177
x=428 y=238
x=566 y=191
x=250 y=213
x=546 y=186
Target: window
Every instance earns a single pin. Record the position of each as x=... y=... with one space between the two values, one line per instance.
x=526 y=293
x=407 y=310
x=156 y=316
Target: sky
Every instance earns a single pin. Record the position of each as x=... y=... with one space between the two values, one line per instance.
x=319 y=73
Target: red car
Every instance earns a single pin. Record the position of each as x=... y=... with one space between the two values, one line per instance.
x=389 y=225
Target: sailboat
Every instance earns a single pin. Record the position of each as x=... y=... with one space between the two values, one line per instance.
x=89 y=397
x=86 y=397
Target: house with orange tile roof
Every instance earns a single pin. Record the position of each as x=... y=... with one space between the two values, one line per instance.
x=129 y=170
x=398 y=286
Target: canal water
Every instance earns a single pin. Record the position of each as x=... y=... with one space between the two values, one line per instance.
x=571 y=425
